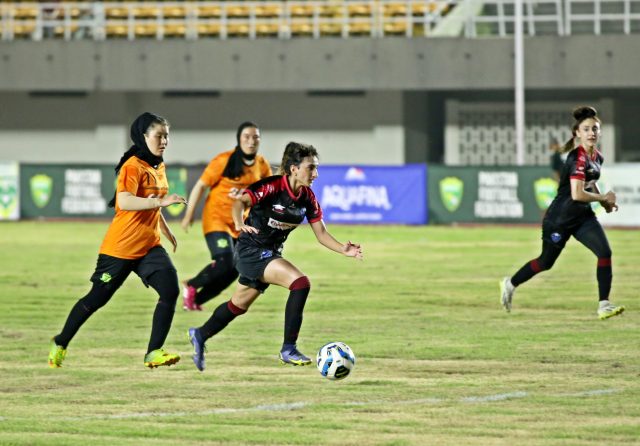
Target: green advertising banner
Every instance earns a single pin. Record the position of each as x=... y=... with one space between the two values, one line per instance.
x=81 y=191
x=489 y=194
x=9 y=186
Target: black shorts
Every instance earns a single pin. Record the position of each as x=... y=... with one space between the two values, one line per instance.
x=111 y=272
x=219 y=243
x=558 y=235
x=251 y=261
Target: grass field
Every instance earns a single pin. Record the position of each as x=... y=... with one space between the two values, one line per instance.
x=438 y=361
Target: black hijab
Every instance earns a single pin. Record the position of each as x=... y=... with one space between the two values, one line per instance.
x=139 y=148
x=235 y=164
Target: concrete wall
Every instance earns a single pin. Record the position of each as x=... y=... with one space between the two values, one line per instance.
x=359 y=100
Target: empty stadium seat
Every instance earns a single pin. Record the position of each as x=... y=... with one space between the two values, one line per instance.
x=300 y=10
x=268 y=10
x=301 y=29
x=208 y=29
x=267 y=29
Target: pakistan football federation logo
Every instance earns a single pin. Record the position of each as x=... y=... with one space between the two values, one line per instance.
x=451 y=190
x=41 y=186
x=545 y=190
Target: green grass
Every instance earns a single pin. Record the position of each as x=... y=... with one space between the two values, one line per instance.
x=438 y=361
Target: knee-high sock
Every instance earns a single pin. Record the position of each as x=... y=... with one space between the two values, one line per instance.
x=97 y=297
x=166 y=284
x=604 y=273
x=221 y=317
x=295 y=306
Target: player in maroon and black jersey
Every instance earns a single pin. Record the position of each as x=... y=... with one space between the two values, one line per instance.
x=278 y=205
x=570 y=214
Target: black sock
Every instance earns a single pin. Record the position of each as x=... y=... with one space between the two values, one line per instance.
x=295 y=306
x=525 y=273
x=225 y=313
x=604 y=273
x=97 y=297
x=165 y=282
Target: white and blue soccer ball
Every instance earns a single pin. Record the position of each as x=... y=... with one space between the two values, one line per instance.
x=335 y=360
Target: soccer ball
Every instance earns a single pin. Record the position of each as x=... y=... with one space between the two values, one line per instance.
x=335 y=360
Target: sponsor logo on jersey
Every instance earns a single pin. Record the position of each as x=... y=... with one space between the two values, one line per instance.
x=278 y=208
x=281 y=225
x=265 y=254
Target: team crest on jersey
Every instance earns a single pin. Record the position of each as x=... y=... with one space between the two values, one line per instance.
x=278 y=208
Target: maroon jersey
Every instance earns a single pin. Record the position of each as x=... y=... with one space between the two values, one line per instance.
x=276 y=211
x=565 y=211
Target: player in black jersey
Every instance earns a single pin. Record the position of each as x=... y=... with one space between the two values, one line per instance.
x=570 y=214
x=278 y=205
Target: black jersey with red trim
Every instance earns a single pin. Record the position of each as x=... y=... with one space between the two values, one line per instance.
x=276 y=211
x=581 y=166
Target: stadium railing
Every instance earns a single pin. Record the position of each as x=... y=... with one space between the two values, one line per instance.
x=282 y=19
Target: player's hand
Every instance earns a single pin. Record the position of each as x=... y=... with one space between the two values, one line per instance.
x=352 y=250
x=173 y=240
x=610 y=198
x=248 y=229
x=168 y=200
x=186 y=223
x=609 y=208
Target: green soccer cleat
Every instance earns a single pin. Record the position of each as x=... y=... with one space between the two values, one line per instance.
x=159 y=357
x=608 y=309
x=56 y=355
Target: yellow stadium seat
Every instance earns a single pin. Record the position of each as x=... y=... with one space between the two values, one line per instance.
x=208 y=29
x=422 y=8
x=116 y=12
x=237 y=11
x=114 y=31
x=174 y=12
x=359 y=9
x=24 y=29
x=299 y=10
x=394 y=9
x=301 y=29
x=59 y=31
x=330 y=29
x=24 y=13
x=145 y=30
x=175 y=30
x=267 y=29
x=209 y=11
x=331 y=10
x=268 y=10
x=145 y=12
x=238 y=29
x=360 y=29
x=395 y=28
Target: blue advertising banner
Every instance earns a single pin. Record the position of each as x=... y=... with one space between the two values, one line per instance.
x=373 y=194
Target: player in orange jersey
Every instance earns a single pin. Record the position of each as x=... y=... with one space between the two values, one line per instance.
x=226 y=177
x=132 y=242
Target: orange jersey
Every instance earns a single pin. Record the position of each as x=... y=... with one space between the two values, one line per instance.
x=133 y=233
x=216 y=214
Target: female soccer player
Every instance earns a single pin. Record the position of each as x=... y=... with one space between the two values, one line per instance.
x=132 y=242
x=570 y=214
x=226 y=175
x=278 y=205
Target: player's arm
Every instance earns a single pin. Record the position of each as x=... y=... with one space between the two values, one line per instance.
x=237 y=213
x=164 y=227
x=327 y=240
x=194 y=197
x=129 y=202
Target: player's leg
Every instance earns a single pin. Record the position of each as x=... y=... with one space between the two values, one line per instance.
x=591 y=235
x=215 y=276
x=226 y=312
x=109 y=275
x=157 y=271
x=284 y=273
x=553 y=243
